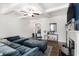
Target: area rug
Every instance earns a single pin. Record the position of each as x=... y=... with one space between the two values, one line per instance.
x=48 y=50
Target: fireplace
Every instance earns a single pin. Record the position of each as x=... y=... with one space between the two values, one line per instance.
x=71 y=47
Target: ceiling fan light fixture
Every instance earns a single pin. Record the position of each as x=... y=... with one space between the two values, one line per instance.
x=29 y=11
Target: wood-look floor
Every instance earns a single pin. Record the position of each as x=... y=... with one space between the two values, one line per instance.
x=56 y=46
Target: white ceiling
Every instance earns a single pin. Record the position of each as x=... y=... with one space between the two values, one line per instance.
x=42 y=7
x=50 y=5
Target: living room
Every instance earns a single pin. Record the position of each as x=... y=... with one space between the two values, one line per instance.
x=41 y=27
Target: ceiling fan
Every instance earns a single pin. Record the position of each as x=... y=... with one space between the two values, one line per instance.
x=30 y=13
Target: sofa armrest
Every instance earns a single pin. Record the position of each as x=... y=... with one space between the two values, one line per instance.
x=12 y=38
x=32 y=52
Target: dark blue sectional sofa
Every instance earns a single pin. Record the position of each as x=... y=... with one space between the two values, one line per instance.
x=41 y=44
x=14 y=49
x=20 y=46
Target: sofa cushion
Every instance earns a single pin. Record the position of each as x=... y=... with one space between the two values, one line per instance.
x=33 y=52
x=4 y=40
x=14 y=45
x=6 y=50
x=20 y=40
x=23 y=49
x=11 y=44
x=36 y=43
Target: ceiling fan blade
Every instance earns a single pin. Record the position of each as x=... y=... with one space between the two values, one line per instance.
x=36 y=13
x=25 y=14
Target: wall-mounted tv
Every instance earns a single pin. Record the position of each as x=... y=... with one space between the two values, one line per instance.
x=70 y=13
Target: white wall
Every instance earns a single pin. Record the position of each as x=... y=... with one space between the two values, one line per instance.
x=10 y=25
x=61 y=21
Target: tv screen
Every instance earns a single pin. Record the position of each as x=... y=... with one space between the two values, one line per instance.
x=70 y=12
